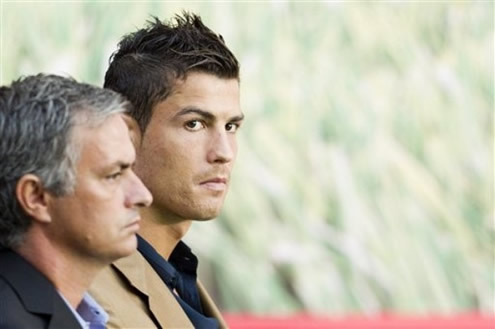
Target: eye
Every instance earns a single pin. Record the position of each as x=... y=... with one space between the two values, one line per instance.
x=114 y=176
x=232 y=127
x=194 y=125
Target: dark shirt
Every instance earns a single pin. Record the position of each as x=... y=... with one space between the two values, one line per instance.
x=179 y=273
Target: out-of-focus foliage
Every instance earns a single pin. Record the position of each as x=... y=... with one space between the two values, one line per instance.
x=364 y=180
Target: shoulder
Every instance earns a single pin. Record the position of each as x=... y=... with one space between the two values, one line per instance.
x=134 y=296
x=13 y=313
x=209 y=306
x=114 y=291
x=28 y=299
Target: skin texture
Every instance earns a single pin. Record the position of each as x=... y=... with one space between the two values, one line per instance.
x=186 y=154
x=73 y=237
x=99 y=221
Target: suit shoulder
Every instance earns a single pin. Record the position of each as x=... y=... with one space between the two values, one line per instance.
x=131 y=284
x=13 y=313
x=112 y=291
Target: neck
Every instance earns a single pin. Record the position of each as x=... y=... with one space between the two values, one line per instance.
x=70 y=276
x=162 y=235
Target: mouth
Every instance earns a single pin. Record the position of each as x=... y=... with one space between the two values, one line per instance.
x=215 y=184
x=134 y=225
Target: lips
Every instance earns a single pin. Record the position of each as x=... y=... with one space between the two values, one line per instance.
x=215 y=180
x=134 y=222
x=215 y=184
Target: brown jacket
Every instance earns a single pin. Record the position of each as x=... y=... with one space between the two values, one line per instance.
x=134 y=296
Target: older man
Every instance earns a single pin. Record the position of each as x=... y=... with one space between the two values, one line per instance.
x=184 y=84
x=69 y=199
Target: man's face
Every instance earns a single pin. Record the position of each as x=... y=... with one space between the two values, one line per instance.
x=100 y=219
x=188 y=149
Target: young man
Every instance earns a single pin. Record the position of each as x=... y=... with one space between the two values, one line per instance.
x=184 y=84
x=68 y=199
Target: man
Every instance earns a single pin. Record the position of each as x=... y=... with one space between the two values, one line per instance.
x=69 y=199
x=184 y=84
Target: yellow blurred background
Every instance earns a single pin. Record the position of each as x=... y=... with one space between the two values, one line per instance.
x=364 y=181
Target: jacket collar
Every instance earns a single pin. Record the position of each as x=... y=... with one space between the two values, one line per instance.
x=36 y=292
x=161 y=302
x=209 y=306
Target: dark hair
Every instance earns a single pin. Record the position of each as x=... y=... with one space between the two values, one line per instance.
x=37 y=116
x=148 y=62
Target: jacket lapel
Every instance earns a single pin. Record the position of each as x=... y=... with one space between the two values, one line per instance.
x=38 y=295
x=161 y=302
x=62 y=317
x=209 y=306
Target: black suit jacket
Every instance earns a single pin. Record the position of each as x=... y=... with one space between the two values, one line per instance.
x=28 y=300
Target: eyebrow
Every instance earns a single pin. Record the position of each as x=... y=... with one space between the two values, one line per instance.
x=195 y=110
x=122 y=165
x=205 y=114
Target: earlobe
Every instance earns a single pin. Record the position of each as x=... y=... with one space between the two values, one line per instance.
x=134 y=130
x=33 y=197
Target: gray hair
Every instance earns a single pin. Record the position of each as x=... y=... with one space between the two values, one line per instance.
x=37 y=117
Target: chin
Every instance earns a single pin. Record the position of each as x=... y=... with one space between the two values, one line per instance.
x=203 y=211
x=206 y=214
x=126 y=249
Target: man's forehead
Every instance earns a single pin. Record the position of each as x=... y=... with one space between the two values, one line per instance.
x=108 y=142
x=200 y=92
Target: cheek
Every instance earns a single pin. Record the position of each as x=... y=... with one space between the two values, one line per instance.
x=168 y=159
x=234 y=148
x=153 y=155
x=101 y=202
x=177 y=159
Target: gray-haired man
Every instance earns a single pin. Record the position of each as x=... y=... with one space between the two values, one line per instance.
x=69 y=199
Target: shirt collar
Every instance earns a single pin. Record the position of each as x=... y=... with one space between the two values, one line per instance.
x=181 y=259
x=169 y=274
x=88 y=313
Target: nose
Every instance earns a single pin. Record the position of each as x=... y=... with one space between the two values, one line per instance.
x=223 y=147
x=138 y=195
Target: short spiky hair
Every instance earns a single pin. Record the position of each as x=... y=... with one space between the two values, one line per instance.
x=149 y=61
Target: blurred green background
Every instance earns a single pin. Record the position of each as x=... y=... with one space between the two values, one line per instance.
x=364 y=181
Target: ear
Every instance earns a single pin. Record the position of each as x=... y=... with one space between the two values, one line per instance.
x=33 y=198
x=134 y=130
